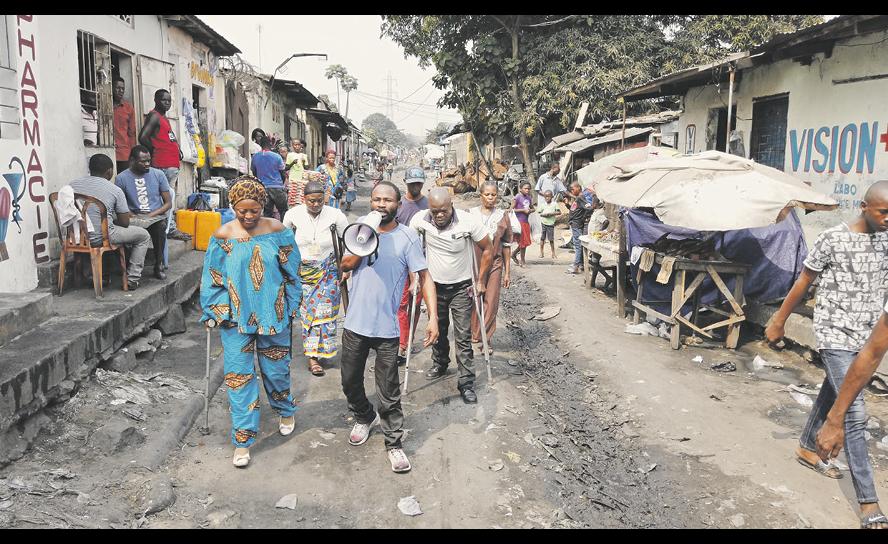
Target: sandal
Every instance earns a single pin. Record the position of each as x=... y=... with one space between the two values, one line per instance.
x=828 y=470
x=867 y=522
x=315 y=368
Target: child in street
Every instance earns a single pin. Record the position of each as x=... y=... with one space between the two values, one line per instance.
x=523 y=207
x=852 y=262
x=548 y=211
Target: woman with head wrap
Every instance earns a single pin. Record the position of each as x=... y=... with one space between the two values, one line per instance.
x=496 y=222
x=250 y=287
x=333 y=178
x=311 y=223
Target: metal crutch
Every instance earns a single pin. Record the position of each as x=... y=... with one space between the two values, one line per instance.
x=211 y=324
x=479 y=306
x=411 y=314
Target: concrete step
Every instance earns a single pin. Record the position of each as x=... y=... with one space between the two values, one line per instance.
x=21 y=312
x=83 y=331
x=48 y=274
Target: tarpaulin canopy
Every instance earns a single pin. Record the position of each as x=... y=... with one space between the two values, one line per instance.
x=712 y=191
x=606 y=166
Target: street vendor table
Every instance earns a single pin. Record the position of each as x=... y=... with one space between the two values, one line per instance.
x=681 y=293
x=605 y=257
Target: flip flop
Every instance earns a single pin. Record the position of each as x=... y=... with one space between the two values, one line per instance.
x=828 y=470
x=316 y=369
x=866 y=522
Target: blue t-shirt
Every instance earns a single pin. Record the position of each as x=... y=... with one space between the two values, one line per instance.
x=143 y=192
x=375 y=291
x=267 y=166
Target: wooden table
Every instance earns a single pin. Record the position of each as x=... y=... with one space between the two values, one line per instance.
x=604 y=257
x=682 y=292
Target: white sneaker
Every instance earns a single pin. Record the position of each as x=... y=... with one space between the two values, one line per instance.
x=399 y=460
x=241 y=457
x=361 y=432
x=287 y=428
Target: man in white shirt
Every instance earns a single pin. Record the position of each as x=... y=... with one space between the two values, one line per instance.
x=549 y=181
x=449 y=237
x=311 y=223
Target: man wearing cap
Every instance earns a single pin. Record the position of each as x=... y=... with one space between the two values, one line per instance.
x=411 y=203
x=450 y=235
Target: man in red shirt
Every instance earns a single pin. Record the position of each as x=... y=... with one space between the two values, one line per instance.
x=158 y=136
x=124 y=126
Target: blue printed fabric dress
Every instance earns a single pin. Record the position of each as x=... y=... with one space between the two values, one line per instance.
x=251 y=287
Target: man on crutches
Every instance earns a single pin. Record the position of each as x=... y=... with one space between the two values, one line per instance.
x=450 y=267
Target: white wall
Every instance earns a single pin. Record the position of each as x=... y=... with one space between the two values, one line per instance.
x=24 y=163
x=816 y=103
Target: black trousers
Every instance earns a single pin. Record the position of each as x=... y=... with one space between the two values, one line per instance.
x=355 y=349
x=455 y=299
x=277 y=198
x=158 y=232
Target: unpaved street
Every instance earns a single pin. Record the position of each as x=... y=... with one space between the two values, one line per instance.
x=583 y=426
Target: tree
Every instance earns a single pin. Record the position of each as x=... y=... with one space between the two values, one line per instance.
x=379 y=129
x=349 y=84
x=337 y=72
x=516 y=75
x=432 y=136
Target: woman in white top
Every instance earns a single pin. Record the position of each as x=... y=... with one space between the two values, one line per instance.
x=311 y=223
x=496 y=222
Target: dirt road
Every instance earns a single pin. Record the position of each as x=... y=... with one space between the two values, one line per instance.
x=583 y=426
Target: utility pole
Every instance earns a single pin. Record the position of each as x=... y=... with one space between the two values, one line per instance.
x=390 y=105
x=259 y=36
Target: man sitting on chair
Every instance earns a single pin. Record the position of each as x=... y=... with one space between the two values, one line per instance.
x=148 y=197
x=98 y=185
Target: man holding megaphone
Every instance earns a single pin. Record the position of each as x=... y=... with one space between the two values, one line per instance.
x=381 y=254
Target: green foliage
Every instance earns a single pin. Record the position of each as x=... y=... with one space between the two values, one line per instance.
x=433 y=135
x=559 y=66
x=379 y=130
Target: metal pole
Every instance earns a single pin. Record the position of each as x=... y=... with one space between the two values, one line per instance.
x=730 y=99
x=479 y=309
x=623 y=134
x=206 y=428
x=337 y=252
x=411 y=314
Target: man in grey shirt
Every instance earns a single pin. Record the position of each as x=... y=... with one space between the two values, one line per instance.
x=98 y=185
x=549 y=181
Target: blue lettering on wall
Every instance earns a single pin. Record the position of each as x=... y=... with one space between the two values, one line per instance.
x=867 y=149
x=852 y=147
x=795 y=147
x=846 y=149
x=819 y=167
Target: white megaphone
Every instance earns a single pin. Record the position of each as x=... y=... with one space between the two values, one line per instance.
x=361 y=238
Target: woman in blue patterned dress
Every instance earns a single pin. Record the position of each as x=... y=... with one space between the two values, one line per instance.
x=251 y=288
x=333 y=178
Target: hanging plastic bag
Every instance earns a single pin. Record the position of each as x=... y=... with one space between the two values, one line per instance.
x=536 y=227
x=201 y=153
x=230 y=138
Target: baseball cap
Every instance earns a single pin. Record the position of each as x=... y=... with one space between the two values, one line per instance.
x=414 y=174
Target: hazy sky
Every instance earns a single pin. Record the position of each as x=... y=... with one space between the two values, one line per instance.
x=352 y=41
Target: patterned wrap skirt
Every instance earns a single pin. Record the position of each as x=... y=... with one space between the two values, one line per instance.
x=319 y=307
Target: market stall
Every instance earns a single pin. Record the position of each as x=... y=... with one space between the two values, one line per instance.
x=713 y=229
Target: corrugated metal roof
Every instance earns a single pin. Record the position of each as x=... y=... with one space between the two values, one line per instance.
x=616 y=135
x=203 y=33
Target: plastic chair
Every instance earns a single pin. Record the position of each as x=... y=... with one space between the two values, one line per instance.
x=69 y=245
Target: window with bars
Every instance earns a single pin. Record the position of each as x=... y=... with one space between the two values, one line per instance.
x=96 y=105
x=125 y=19
x=10 y=120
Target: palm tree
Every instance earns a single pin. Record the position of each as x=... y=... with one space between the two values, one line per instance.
x=337 y=72
x=349 y=84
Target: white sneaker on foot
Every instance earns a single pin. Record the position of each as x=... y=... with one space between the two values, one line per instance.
x=361 y=432
x=241 y=457
x=286 y=427
x=399 y=460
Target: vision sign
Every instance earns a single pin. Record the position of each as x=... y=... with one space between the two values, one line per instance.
x=850 y=157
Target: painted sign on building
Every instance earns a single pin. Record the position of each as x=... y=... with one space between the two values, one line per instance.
x=24 y=223
x=843 y=159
